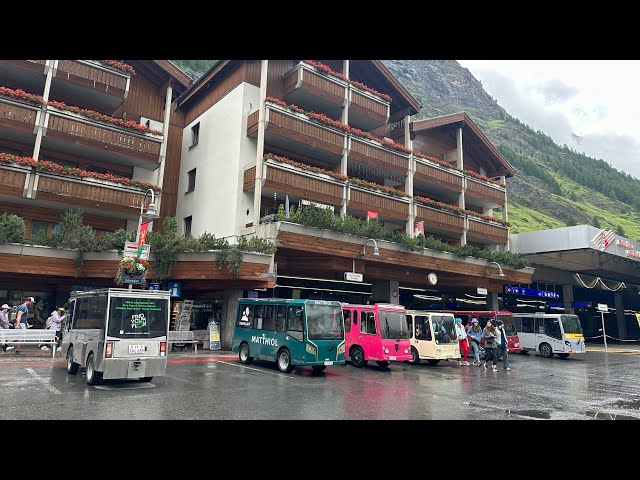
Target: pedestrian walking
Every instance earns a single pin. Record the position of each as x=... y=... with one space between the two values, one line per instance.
x=22 y=315
x=463 y=342
x=489 y=334
x=54 y=322
x=475 y=335
x=4 y=324
x=501 y=346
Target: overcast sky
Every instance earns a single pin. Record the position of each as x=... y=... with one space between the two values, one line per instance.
x=590 y=105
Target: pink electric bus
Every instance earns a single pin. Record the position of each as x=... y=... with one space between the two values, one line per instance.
x=376 y=332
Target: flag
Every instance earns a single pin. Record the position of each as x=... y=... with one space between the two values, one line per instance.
x=371 y=214
x=142 y=237
x=419 y=228
x=286 y=206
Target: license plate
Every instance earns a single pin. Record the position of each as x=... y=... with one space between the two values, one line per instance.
x=137 y=348
x=328 y=363
x=392 y=358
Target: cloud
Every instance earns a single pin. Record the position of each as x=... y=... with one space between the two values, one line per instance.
x=619 y=150
x=555 y=91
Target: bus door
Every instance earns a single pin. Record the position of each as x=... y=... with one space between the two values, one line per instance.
x=349 y=317
x=423 y=341
x=527 y=333
x=553 y=332
x=369 y=338
x=295 y=323
x=265 y=321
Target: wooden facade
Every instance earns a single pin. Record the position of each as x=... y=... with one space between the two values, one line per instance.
x=485 y=192
x=373 y=154
x=307 y=186
x=96 y=77
x=387 y=206
x=486 y=232
x=441 y=177
x=439 y=220
x=12 y=180
x=16 y=116
x=304 y=82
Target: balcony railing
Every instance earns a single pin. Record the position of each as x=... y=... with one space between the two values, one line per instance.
x=362 y=200
x=17 y=116
x=315 y=91
x=12 y=180
x=299 y=134
x=249 y=180
x=485 y=232
x=370 y=152
x=439 y=221
x=366 y=110
x=438 y=177
x=113 y=143
x=87 y=193
x=484 y=194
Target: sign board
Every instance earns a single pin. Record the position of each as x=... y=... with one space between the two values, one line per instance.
x=132 y=280
x=530 y=292
x=131 y=250
x=482 y=291
x=316 y=204
x=214 y=336
x=154 y=286
x=353 y=277
x=252 y=294
x=175 y=288
x=603 y=307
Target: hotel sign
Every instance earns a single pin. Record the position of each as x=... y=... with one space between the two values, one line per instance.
x=530 y=292
x=603 y=239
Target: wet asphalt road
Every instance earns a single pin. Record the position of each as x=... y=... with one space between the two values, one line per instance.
x=590 y=386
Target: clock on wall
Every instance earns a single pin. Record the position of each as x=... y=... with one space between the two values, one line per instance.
x=432 y=278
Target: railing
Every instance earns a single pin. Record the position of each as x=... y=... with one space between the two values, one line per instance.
x=94 y=73
x=15 y=115
x=252 y=122
x=306 y=185
x=487 y=231
x=385 y=205
x=304 y=80
x=367 y=111
x=87 y=194
x=369 y=152
x=483 y=191
x=95 y=135
x=433 y=175
x=439 y=219
x=12 y=180
x=249 y=179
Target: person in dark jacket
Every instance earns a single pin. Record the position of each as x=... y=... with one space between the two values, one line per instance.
x=489 y=334
x=475 y=334
x=501 y=346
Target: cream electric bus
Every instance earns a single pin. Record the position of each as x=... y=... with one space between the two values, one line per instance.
x=117 y=333
x=549 y=333
x=432 y=336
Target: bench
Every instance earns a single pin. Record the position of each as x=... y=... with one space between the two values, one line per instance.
x=182 y=336
x=34 y=336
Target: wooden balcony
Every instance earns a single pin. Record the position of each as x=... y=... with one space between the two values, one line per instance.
x=484 y=194
x=249 y=180
x=83 y=136
x=314 y=91
x=482 y=231
x=28 y=75
x=440 y=221
x=92 y=82
x=297 y=134
x=366 y=151
x=88 y=194
x=387 y=206
x=366 y=110
x=17 y=121
x=436 y=179
x=13 y=180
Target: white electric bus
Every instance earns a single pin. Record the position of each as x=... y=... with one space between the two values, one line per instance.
x=549 y=333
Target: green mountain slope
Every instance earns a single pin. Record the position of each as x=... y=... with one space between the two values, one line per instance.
x=554 y=186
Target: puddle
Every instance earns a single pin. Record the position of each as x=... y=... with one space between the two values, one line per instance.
x=609 y=416
x=529 y=413
x=124 y=386
x=634 y=404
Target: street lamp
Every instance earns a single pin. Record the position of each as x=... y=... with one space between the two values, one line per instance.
x=376 y=252
x=500 y=272
x=150 y=215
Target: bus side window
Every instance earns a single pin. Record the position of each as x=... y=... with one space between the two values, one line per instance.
x=280 y=313
x=245 y=316
x=527 y=325
x=368 y=323
x=268 y=322
x=517 y=323
x=552 y=328
x=539 y=322
x=294 y=323
x=82 y=310
x=410 y=325
x=427 y=329
x=70 y=315
x=347 y=320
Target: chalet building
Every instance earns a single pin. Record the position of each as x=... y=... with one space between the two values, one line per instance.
x=339 y=135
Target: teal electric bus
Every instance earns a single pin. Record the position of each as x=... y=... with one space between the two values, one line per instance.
x=289 y=332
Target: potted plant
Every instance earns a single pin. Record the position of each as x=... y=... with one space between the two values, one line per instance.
x=132 y=267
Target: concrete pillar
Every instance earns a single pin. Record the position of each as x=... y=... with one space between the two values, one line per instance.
x=622 y=327
x=228 y=316
x=461 y=200
x=257 y=192
x=459 y=155
x=345 y=153
x=408 y=183
x=493 y=302
x=42 y=117
x=165 y=136
x=383 y=291
x=567 y=298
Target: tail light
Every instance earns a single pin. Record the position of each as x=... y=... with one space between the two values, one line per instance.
x=163 y=349
x=109 y=350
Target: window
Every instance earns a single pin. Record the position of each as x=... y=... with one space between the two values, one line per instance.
x=245 y=316
x=347 y=320
x=423 y=332
x=195 y=134
x=38 y=227
x=91 y=312
x=280 y=316
x=187 y=226
x=539 y=325
x=294 y=322
x=368 y=323
x=410 y=325
x=527 y=325
x=552 y=328
x=191 y=174
x=264 y=316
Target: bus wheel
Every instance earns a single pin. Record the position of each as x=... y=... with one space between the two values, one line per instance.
x=482 y=353
x=383 y=363
x=284 y=361
x=415 y=357
x=357 y=357
x=318 y=368
x=545 y=350
x=245 y=359
x=93 y=377
x=72 y=367
x=563 y=355
x=146 y=379
x=433 y=361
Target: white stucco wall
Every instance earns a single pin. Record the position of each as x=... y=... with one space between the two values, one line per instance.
x=218 y=204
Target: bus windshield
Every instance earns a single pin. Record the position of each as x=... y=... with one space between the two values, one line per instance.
x=393 y=325
x=324 y=322
x=509 y=327
x=138 y=317
x=443 y=328
x=571 y=324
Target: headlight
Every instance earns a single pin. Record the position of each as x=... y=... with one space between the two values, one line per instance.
x=386 y=350
x=311 y=349
x=341 y=348
x=406 y=350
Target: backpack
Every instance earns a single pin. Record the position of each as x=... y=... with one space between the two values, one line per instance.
x=49 y=322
